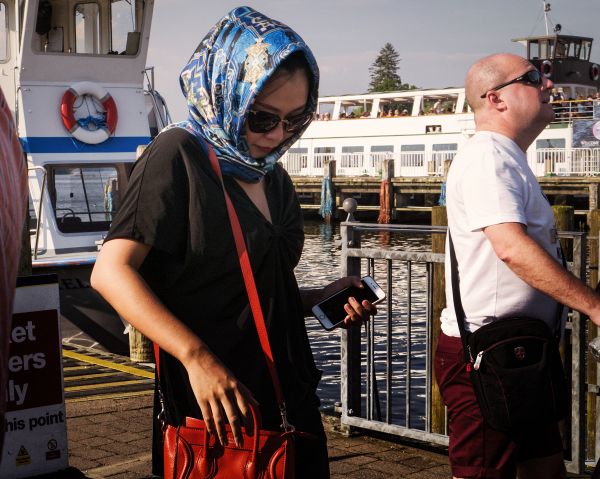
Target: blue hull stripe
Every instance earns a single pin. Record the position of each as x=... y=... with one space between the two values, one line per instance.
x=50 y=144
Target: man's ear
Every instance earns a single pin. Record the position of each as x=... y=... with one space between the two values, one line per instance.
x=497 y=103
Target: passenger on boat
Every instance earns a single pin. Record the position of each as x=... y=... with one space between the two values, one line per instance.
x=13 y=198
x=509 y=260
x=169 y=265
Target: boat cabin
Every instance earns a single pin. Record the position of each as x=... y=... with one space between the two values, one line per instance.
x=565 y=59
x=74 y=75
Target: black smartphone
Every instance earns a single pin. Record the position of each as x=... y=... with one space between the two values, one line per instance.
x=330 y=312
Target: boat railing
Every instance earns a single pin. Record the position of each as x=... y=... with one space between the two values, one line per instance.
x=387 y=383
x=353 y=164
x=36 y=231
x=565 y=162
x=569 y=110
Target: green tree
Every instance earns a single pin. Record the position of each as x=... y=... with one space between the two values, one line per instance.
x=384 y=70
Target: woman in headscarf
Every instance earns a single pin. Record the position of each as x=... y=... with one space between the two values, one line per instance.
x=169 y=265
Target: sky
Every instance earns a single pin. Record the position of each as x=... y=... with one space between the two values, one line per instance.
x=437 y=40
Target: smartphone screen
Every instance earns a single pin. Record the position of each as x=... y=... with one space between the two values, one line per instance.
x=333 y=307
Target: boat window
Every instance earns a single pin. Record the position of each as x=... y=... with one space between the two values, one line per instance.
x=563 y=49
x=87 y=28
x=550 y=143
x=125 y=31
x=382 y=148
x=84 y=198
x=445 y=147
x=584 y=52
x=353 y=149
x=324 y=149
x=533 y=49
x=4 y=51
x=412 y=148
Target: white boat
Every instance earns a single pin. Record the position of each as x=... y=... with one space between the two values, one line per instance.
x=74 y=74
x=420 y=129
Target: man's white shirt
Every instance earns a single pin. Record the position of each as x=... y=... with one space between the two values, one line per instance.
x=490 y=183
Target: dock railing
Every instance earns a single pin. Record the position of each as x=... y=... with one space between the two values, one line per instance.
x=387 y=380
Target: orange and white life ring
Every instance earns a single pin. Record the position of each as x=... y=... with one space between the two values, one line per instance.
x=103 y=132
x=546 y=68
x=595 y=72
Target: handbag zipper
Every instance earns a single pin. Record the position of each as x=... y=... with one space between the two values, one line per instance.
x=480 y=354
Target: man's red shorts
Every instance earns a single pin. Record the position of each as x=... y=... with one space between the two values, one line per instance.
x=476 y=450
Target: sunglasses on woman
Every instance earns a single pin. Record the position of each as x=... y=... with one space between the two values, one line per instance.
x=532 y=77
x=264 y=121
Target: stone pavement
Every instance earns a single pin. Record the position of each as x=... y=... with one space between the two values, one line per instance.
x=110 y=438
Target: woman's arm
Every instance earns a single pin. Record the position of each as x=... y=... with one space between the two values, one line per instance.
x=220 y=396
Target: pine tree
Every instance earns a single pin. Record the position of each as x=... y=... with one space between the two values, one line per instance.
x=384 y=76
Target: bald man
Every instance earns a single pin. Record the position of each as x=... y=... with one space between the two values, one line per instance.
x=509 y=260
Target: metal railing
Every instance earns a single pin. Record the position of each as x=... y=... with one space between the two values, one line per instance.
x=386 y=375
x=565 y=162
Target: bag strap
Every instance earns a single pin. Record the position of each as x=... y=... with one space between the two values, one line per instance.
x=460 y=312
x=257 y=313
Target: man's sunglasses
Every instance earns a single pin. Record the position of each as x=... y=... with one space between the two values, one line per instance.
x=532 y=77
x=264 y=121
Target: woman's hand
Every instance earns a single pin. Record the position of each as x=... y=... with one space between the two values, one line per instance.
x=357 y=312
x=221 y=397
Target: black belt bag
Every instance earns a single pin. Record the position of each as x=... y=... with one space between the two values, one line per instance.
x=515 y=367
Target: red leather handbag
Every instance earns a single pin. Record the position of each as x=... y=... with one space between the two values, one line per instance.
x=191 y=453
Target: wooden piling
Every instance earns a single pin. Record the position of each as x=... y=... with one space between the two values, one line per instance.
x=329 y=172
x=438 y=243
x=140 y=347
x=564 y=216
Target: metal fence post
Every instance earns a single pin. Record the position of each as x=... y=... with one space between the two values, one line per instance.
x=578 y=383
x=350 y=347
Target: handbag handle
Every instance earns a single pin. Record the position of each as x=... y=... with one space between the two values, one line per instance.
x=251 y=467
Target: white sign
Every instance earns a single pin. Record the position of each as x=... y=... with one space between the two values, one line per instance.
x=35 y=425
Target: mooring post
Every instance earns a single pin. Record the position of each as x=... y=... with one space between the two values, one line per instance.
x=329 y=204
x=438 y=245
x=351 y=337
x=564 y=217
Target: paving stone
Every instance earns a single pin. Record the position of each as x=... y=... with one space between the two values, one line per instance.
x=95 y=441
x=117 y=448
x=342 y=467
x=393 y=469
x=368 y=474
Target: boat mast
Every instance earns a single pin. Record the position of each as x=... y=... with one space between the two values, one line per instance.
x=546 y=11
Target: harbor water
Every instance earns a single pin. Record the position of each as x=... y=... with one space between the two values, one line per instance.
x=320 y=264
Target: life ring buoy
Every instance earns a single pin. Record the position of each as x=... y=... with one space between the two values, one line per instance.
x=103 y=132
x=595 y=72
x=547 y=68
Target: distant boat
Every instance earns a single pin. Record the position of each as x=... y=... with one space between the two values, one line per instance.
x=420 y=129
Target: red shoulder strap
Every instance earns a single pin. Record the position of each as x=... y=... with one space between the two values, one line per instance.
x=257 y=314
x=259 y=319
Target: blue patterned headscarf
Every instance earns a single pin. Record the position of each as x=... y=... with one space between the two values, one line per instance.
x=221 y=80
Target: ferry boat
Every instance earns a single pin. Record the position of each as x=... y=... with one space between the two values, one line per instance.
x=420 y=129
x=74 y=74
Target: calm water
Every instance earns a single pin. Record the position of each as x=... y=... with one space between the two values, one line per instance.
x=320 y=264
